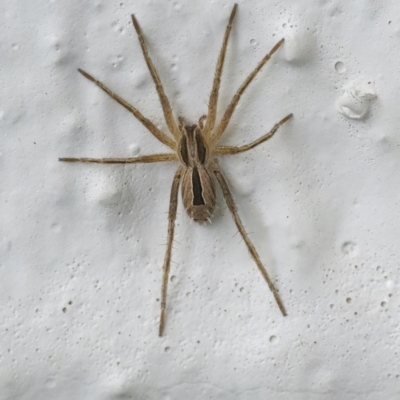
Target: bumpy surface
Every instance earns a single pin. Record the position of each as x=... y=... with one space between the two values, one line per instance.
x=82 y=246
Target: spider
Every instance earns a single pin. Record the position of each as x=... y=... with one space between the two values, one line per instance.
x=195 y=148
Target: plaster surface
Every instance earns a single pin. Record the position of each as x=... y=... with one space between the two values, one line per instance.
x=82 y=246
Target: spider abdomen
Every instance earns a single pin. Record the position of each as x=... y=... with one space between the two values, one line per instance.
x=198 y=193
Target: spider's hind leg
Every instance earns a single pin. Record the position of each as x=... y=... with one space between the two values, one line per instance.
x=233 y=209
x=173 y=204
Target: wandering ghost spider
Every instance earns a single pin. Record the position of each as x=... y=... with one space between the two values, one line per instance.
x=195 y=148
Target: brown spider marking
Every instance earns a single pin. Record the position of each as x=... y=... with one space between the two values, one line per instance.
x=195 y=147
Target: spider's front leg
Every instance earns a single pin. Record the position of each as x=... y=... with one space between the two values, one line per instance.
x=235 y=100
x=157 y=133
x=213 y=102
x=166 y=107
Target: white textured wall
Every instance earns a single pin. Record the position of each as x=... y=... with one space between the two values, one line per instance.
x=81 y=246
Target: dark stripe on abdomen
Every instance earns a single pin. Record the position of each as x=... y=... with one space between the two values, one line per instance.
x=197 y=189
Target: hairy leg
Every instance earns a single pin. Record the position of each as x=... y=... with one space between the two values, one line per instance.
x=173 y=204
x=167 y=110
x=213 y=102
x=233 y=209
x=161 y=136
x=262 y=139
x=235 y=100
x=152 y=158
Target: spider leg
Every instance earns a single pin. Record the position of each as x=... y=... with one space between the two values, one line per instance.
x=212 y=105
x=233 y=209
x=173 y=204
x=161 y=136
x=152 y=158
x=235 y=100
x=262 y=139
x=167 y=110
